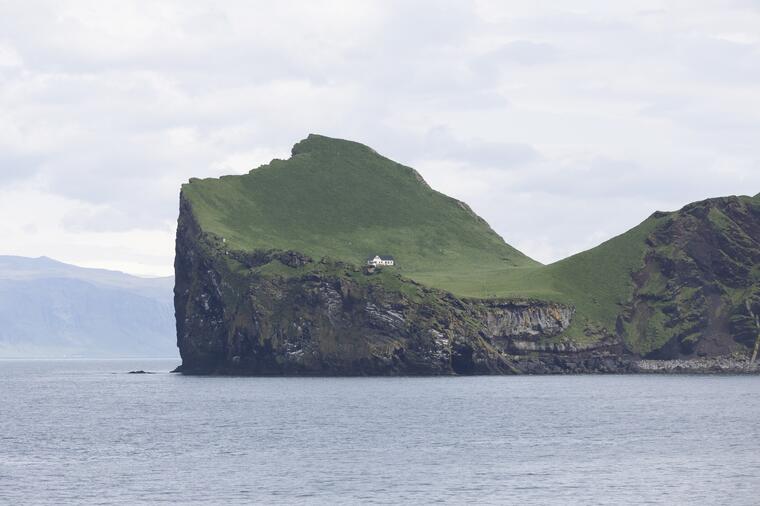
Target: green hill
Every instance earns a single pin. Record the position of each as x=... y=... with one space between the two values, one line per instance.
x=672 y=279
x=656 y=281
x=340 y=199
x=597 y=282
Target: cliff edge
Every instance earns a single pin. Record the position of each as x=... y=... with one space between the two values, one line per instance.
x=271 y=278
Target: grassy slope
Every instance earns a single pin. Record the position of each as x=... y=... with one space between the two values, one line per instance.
x=596 y=281
x=342 y=200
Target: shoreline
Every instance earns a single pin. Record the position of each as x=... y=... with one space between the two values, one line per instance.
x=704 y=365
x=729 y=365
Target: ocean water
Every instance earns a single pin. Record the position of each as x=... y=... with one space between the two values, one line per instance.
x=85 y=432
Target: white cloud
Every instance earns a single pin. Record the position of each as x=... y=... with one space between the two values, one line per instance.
x=34 y=224
x=9 y=57
x=561 y=125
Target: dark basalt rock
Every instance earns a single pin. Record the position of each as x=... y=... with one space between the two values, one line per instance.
x=698 y=287
x=696 y=295
x=337 y=319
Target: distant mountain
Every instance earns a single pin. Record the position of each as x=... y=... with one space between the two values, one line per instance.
x=52 y=309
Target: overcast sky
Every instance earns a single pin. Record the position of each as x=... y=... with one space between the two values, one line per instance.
x=562 y=126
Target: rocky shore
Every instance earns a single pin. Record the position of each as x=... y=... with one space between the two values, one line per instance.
x=702 y=365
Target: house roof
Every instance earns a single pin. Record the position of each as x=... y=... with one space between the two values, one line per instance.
x=382 y=257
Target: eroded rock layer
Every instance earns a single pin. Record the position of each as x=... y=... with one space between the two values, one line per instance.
x=269 y=280
x=235 y=316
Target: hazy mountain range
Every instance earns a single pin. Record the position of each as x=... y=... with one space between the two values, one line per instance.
x=52 y=309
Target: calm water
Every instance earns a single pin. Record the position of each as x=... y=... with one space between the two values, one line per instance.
x=85 y=432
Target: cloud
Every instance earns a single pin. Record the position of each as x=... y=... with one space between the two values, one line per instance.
x=9 y=58
x=440 y=143
x=525 y=52
x=560 y=125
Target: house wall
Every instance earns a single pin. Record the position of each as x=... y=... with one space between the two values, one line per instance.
x=378 y=261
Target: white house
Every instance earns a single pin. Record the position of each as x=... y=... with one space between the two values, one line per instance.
x=378 y=260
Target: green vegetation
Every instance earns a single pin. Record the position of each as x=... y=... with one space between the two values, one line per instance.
x=339 y=199
x=342 y=200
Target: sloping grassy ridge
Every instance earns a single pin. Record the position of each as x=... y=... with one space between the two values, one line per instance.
x=340 y=199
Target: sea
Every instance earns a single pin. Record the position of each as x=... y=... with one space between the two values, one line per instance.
x=87 y=432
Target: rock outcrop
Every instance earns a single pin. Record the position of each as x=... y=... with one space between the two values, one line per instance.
x=698 y=290
x=269 y=281
x=327 y=317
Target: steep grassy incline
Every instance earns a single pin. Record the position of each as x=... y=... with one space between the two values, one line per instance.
x=675 y=284
x=679 y=282
x=677 y=276
x=340 y=199
x=598 y=282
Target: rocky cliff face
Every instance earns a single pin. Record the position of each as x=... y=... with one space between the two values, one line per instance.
x=281 y=312
x=698 y=291
x=268 y=280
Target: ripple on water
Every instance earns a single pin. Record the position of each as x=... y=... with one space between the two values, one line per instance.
x=72 y=431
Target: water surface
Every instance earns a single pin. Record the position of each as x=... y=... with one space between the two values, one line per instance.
x=86 y=432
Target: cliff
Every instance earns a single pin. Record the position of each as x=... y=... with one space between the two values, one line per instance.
x=697 y=292
x=270 y=280
x=281 y=312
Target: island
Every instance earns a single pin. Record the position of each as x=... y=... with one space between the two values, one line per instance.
x=339 y=261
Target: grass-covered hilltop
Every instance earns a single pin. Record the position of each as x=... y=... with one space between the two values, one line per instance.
x=340 y=199
x=271 y=279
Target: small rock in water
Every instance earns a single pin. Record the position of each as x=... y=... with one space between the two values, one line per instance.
x=140 y=372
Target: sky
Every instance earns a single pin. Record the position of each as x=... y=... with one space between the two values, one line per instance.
x=562 y=125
